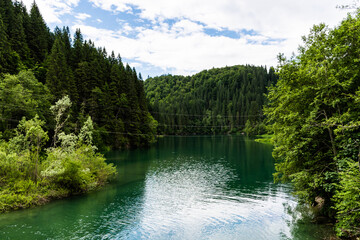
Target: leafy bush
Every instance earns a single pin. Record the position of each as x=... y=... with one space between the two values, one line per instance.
x=80 y=170
x=347 y=200
x=31 y=175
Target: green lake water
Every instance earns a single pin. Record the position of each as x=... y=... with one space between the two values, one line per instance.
x=181 y=188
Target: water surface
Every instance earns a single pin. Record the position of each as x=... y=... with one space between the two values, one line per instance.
x=180 y=188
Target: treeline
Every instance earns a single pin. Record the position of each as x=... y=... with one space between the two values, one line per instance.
x=215 y=101
x=61 y=99
x=99 y=85
x=314 y=113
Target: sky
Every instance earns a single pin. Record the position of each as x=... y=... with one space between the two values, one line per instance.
x=187 y=36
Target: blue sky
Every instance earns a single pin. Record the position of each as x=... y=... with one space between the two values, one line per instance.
x=184 y=37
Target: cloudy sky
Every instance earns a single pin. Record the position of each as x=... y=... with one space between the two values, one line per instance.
x=184 y=37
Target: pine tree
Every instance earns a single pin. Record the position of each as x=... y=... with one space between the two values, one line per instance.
x=38 y=35
x=65 y=37
x=77 y=50
x=19 y=43
x=8 y=16
x=59 y=78
x=9 y=59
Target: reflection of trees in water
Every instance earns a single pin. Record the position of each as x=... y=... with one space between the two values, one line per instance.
x=304 y=224
x=201 y=186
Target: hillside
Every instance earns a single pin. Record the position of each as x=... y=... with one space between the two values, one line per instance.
x=215 y=101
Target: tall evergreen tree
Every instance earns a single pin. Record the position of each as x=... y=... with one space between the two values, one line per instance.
x=8 y=17
x=77 y=50
x=59 y=78
x=19 y=42
x=38 y=35
x=9 y=59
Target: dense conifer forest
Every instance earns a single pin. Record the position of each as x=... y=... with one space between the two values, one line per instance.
x=98 y=83
x=61 y=101
x=215 y=101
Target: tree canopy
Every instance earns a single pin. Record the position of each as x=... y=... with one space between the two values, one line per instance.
x=215 y=101
x=314 y=114
x=98 y=84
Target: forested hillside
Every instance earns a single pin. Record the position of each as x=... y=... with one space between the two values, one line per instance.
x=98 y=85
x=215 y=101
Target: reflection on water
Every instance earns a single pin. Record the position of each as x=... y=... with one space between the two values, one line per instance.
x=181 y=188
x=192 y=200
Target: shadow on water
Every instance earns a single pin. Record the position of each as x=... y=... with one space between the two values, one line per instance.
x=202 y=187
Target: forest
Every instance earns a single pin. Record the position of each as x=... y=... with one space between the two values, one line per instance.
x=216 y=101
x=98 y=83
x=313 y=112
x=62 y=100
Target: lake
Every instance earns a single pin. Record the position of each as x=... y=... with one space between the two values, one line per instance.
x=196 y=187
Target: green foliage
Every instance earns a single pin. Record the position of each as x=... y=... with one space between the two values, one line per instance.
x=313 y=112
x=98 y=85
x=31 y=174
x=86 y=134
x=30 y=137
x=101 y=102
x=254 y=128
x=60 y=111
x=29 y=134
x=22 y=95
x=38 y=35
x=59 y=77
x=111 y=94
x=9 y=59
x=347 y=200
x=214 y=101
x=79 y=170
x=265 y=138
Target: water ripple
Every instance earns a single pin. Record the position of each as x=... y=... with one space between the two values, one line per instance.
x=206 y=188
x=191 y=201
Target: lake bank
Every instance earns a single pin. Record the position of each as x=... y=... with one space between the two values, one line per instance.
x=180 y=188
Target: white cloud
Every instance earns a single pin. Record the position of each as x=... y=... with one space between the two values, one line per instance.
x=184 y=53
x=183 y=47
x=82 y=16
x=256 y=38
x=111 y=5
x=184 y=27
x=135 y=64
x=187 y=49
x=54 y=9
x=274 y=18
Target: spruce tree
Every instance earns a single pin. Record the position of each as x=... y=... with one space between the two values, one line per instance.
x=59 y=78
x=77 y=49
x=9 y=59
x=19 y=42
x=8 y=16
x=38 y=35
